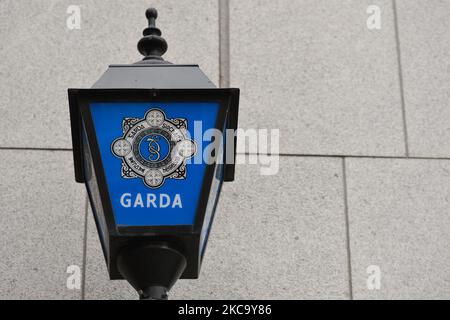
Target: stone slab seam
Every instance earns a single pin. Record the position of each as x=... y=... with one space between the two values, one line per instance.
x=224 y=43
x=85 y=239
x=347 y=229
x=400 y=76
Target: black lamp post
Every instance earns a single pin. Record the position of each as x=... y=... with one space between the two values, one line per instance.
x=153 y=184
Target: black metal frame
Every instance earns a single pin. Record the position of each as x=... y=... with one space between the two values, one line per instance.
x=185 y=237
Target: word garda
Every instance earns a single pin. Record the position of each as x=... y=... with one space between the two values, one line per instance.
x=150 y=200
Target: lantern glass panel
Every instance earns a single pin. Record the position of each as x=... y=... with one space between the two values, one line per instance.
x=152 y=157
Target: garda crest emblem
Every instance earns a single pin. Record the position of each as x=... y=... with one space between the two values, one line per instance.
x=154 y=148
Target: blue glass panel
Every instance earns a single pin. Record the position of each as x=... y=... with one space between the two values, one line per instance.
x=148 y=152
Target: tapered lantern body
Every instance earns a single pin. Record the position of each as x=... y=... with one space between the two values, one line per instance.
x=153 y=142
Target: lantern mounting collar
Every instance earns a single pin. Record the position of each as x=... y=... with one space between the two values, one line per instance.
x=152 y=46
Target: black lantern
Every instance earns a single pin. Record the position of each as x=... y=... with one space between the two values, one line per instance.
x=153 y=142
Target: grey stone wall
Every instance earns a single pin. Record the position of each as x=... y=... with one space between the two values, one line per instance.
x=364 y=119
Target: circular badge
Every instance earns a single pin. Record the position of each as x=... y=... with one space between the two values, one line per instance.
x=154 y=148
x=121 y=147
x=155 y=117
x=154 y=178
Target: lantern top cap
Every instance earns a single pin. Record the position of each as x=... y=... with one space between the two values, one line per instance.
x=152 y=46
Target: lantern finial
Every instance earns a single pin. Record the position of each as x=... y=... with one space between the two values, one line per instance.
x=152 y=46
